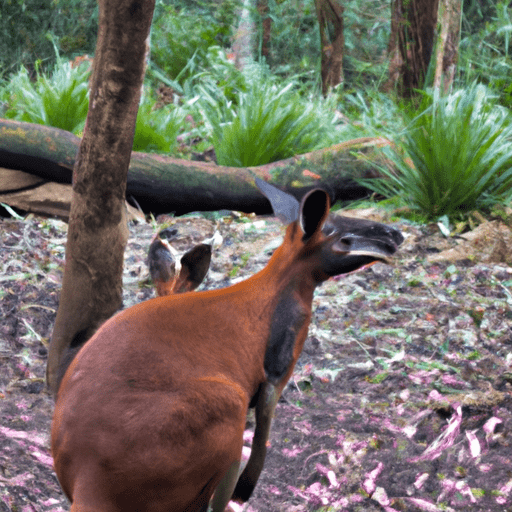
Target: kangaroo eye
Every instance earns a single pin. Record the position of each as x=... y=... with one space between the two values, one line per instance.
x=329 y=229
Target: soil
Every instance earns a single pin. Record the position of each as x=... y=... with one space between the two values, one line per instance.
x=401 y=400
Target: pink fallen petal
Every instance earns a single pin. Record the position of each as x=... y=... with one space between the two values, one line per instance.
x=505 y=489
x=474 y=444
x=42 y=457
x=465 y=490
x=292 y=453
x=355 y=498
x=49 y=502
x=448 y=486
x=409 y=431
x=445 y=439
x=18 y=480
x=425 y=505
x=380 y=496
x=405 y=394
x=490 y=425
x=332 y=478
x=369 y=484
x=420 y=480
x=435 y=395
x=328 y=473
x=33 y=437
x=386 y=423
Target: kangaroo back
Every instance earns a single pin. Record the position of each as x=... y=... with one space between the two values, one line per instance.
x=150 y=414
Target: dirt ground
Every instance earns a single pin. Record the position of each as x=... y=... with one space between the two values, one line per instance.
x=401 y=400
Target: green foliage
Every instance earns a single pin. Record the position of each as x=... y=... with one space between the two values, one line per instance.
x=485 y=52
x=157 y=130
x=294 y=39
x=454 y=157
x=29 y=27
x=181 y=39
x=220 y=80
x=372 y=114
x=59 y=100
x=367 y=25
x=268 y=124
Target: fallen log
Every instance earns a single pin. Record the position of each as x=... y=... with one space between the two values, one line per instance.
x=160 y=183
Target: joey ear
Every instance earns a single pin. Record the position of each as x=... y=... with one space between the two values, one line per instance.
x=194 y=266
x=285 y=207
x=314 y=210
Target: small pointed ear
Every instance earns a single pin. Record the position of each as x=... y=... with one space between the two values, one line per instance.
x=314 y=210
x=194 y=266
x=285 y=206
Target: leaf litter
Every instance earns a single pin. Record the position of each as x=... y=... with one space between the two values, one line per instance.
x=401 y=400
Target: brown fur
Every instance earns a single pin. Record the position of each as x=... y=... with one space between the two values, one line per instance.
x=150 y=415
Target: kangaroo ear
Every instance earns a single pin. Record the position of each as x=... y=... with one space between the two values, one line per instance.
x=285 y=207
x=194 y=267
x=314 y=210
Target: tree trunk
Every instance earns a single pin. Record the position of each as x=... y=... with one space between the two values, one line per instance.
x=332 y=42
x=243 y=44
x=97 y=233
x=447 y=43
x=266 y=27
x=161 y=184
x=411 y=43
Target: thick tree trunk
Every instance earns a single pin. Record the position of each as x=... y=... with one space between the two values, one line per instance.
x=161 y=184
x=447 y=43
x=411 y=43
x=97 y=233
x=332 y=42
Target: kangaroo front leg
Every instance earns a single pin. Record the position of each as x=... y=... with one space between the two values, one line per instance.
x=267 y=401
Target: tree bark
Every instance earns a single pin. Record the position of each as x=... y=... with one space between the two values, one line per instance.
x=97 y=233
x=266 y=27
x=332 y=42
x=411 y=43
x=448 y=19
x=161 y=184
x=243 y=44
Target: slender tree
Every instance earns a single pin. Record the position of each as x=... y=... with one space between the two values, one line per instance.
x=332 y=42
x=447 y=50
x=97 y=233
x=266 y=27
x=245 y=36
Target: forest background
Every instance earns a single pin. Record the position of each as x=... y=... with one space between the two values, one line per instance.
x=242 y=83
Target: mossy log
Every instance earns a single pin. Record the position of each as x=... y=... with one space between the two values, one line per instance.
x=160 y=183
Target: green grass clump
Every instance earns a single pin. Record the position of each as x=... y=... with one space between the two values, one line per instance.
x=156 y=131
x=60 y=100
x=454 y=157
x=269 y=123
